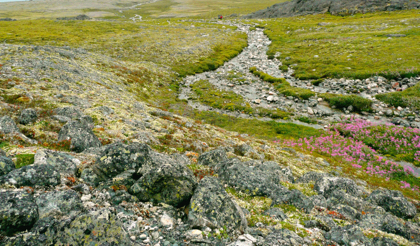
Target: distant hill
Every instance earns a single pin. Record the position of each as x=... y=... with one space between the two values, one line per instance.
x=335 y=7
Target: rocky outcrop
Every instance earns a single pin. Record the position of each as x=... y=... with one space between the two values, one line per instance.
x=79 y=134
x=341 y=7
x=212 y=207
x=18 y=211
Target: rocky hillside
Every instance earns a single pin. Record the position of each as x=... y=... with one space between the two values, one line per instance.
x=102 y=143
x=340 y=7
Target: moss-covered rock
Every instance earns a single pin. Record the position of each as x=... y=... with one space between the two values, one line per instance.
x=18 y=211
x=211 y=206
x=6 y=165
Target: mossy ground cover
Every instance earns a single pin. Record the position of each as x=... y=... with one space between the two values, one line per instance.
x=354 y=46
x=208 y=94
x=407 y=98
x=24 y=160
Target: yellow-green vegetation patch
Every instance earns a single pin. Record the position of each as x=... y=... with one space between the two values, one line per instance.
x=357 y=46
x=344 y=101
x=261 y=129
x=282 y=86
x=407 y=98
x=24 y=160
x=305 y=188
x=208 y=94
x=186 y=47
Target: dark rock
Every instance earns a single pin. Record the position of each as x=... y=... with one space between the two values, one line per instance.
x=69 y=112
x=18 y=211
x=6 y=165
x=7 y=125
x=339 y=197
x=383 y=241
x=392 y=225
x=27 y=116
x=326 y=222
x=393 y=202
x=347 y=235
x=212 y=158
x=317 y=224
x=80 y=135
x=89 y=176
x=62 y=162
x=276 y=213
x=297 y=199
x=327 y=185
x=335 y=7
x=170 y=183
x=212 y=207
x=79 y=17
x=312 y=177
x=249 y=179
x=58 y=203
x=35 y=174
x=95 y=228
x=7 y=19
x=118 y=157
x=2 y=153
x=283 y=237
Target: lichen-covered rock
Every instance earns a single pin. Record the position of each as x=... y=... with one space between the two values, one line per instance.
x=95 y=228
x=383 y=241
x=339 y=197
x=347 y=235
x=393 y=202
x=32 y=175
x=181 y=159
x=27 y=116
x=2 y=153
x=70 y=112
x=58 y=203
x=298 y=199
x=212 y=158
x=248 y=151
x=253 y=180
x=345 y=212
x=312 y=177
x=118 y=157
x=18 y=211
x=7 y=125
x=6 y=165
x=283 y=237
x=80 y=135
x=327 y=185
x=212 y=207
x=169 y=183
x=62 y=162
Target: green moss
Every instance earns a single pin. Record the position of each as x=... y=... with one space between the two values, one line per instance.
x=24 y=160
x=344 y=101
x=282 y=86
x=353 y=46
x=261 y=129
x=307 y=120
x=317 y=82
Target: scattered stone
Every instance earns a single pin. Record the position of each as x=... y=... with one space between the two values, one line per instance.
x=80 y=135
x=27 y=116
x=6 y=165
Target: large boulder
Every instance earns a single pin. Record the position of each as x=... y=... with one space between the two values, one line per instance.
x=32 y=175
x=94 y=228
x=6 y=165
x=18 y=211
x=7 y=125
x=59 y=203
x=212 y=158
x=394 y=202
x=212 y=207
x=79 y=134
x=62 y=162
x=169 y=182
x=27 y=116
x=327 y=185
x=118 y=157
x=347 y=235
x=256 y=180
x=283 y=237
